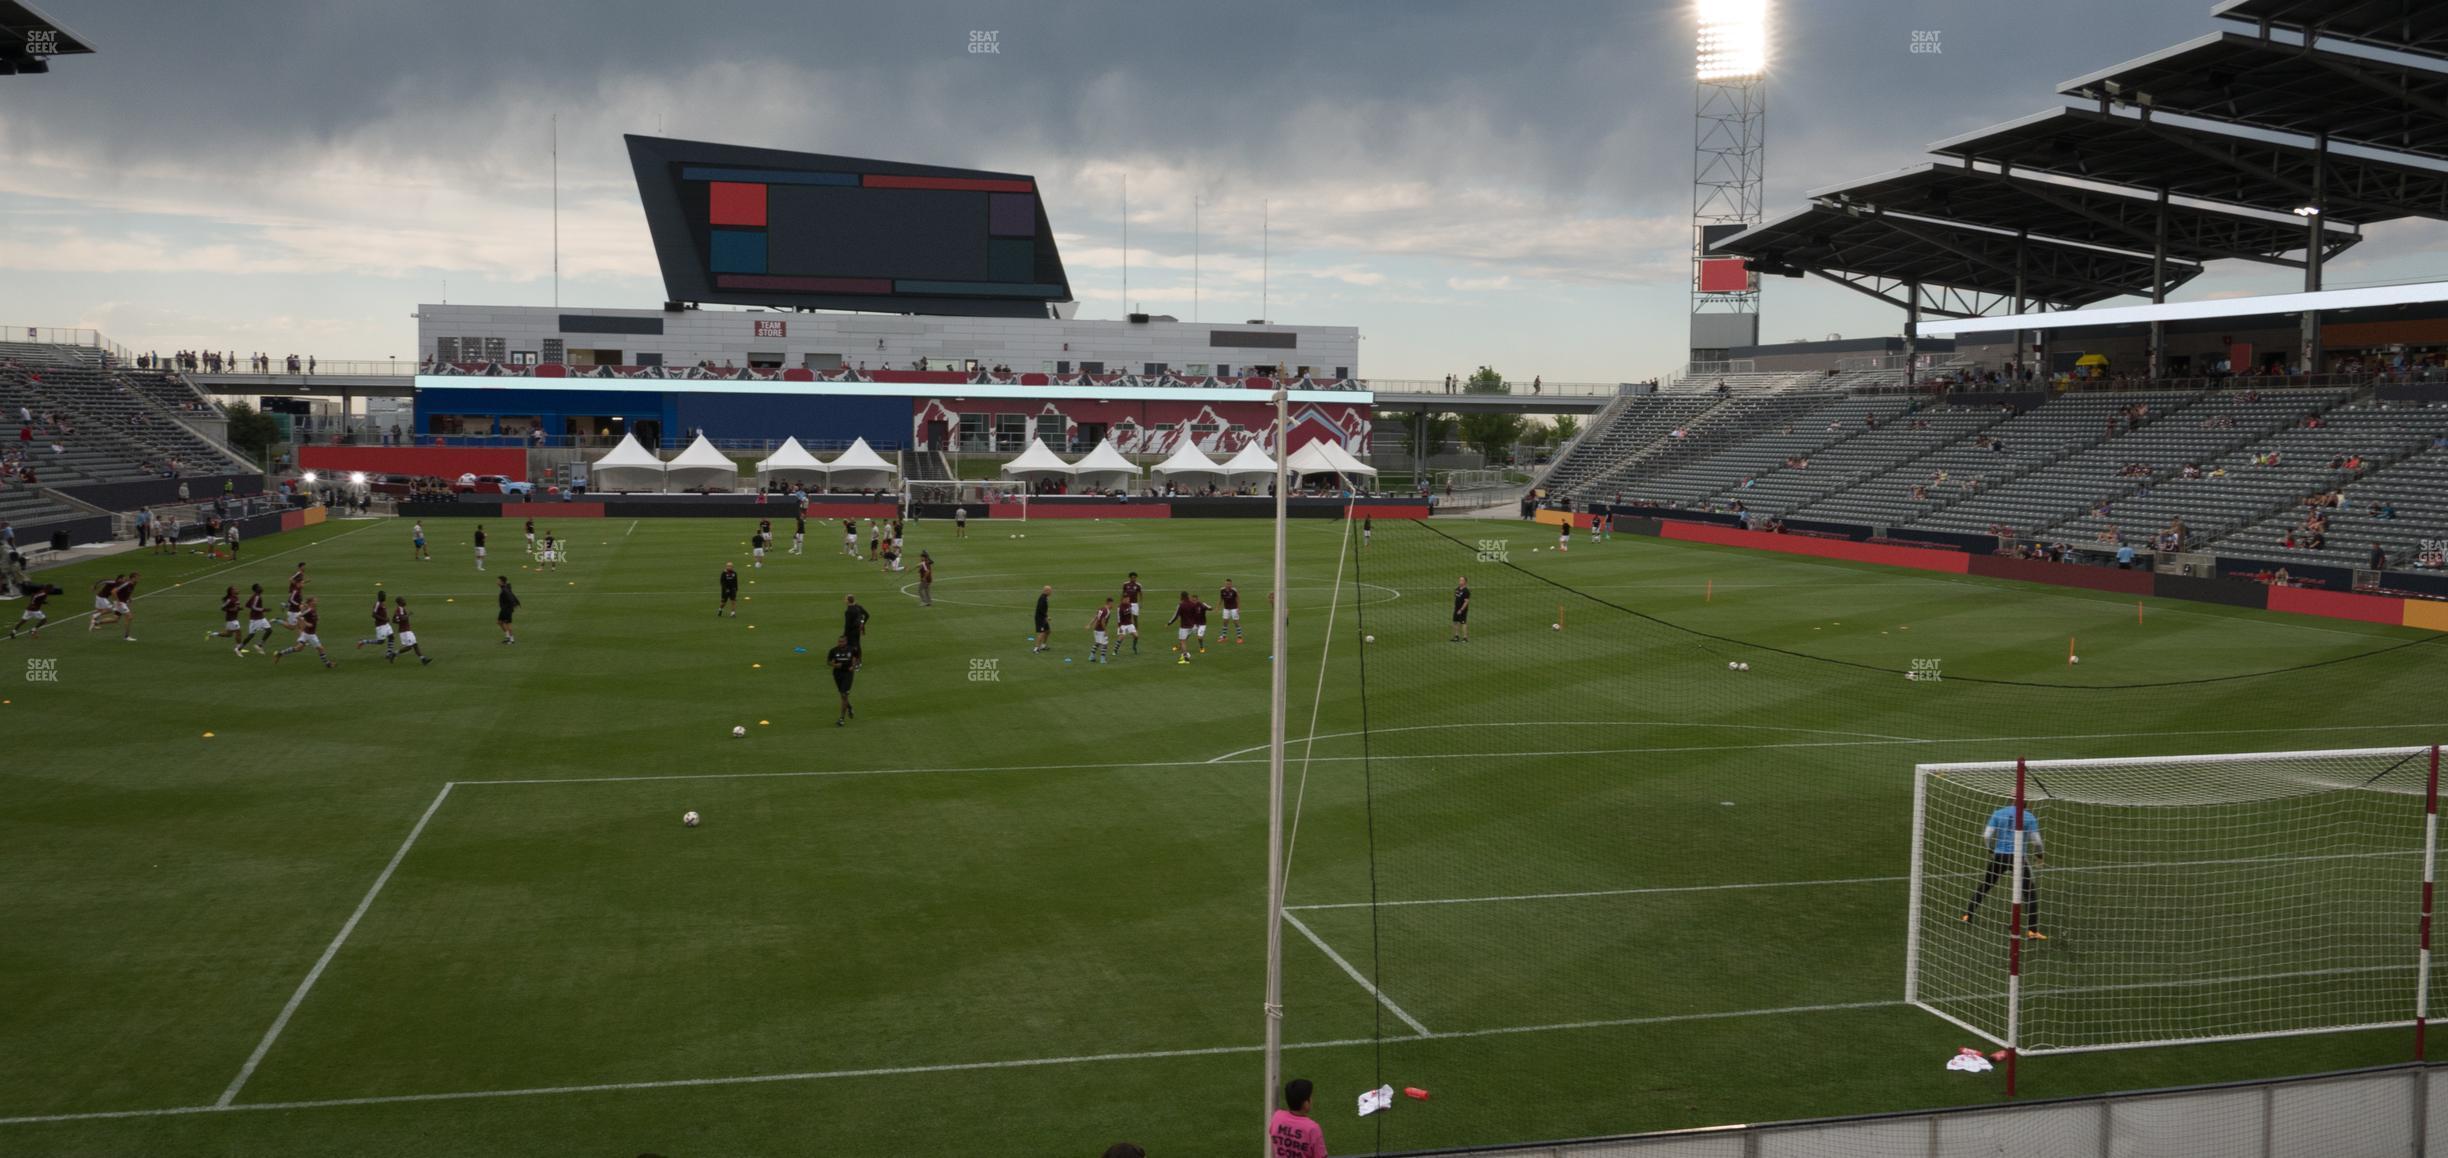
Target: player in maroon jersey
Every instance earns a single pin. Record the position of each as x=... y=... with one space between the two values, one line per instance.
x=1128 y=618
x=403 y=633
x=1199 y=608
x=296 y=606
x=259 y=625
x=36 y=596
x=231 y=605
x=1130 y=595
x=307 y=618
x=1185 y=616
x=1230 y=597
x=1098 y=650
x=123 y=607
x=382 y=622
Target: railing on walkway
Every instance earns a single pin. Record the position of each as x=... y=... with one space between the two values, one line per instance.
x=2375 y=1111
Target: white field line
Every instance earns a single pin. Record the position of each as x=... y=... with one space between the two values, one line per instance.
x=1875 y=739
x=315 y=974
x=899 y=1071
x=2044 y=873
x=1356 y=976
x=632 y=529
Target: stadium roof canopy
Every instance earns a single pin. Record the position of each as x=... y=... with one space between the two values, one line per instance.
x=2407 y=25
x=29 y=39
x=1845 y=244
x=2066 y=211
x=2189 y=161
x=2290 y=88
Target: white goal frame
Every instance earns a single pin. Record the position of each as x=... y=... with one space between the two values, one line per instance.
x=2010 y=961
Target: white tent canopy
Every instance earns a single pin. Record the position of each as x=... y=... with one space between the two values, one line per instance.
x=1104 y=465
x=1328 y=457
x=1250 y=461
x=791 y=461
x=702 y=466
x=859 y=466
x=629 y=467
x=1036 y=460
x=1186 y=462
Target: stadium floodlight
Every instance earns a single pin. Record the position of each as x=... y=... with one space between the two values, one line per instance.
x=1733 y=42
x=310 y=478
x=357 y=478
x=2307 y=211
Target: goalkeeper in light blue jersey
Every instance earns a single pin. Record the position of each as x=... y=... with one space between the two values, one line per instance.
x=1999 y=836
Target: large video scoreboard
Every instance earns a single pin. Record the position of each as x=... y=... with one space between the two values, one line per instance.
x=761 y=227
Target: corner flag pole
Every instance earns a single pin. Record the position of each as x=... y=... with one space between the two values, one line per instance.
x=1279 y=613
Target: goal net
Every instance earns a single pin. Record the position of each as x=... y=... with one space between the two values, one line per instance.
x=2167 y=899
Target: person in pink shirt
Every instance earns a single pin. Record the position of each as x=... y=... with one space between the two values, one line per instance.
x=1292 y=1132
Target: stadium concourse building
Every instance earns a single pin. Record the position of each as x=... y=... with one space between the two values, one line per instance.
x=915 y=306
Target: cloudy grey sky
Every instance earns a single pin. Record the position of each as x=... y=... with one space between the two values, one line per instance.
x=1503 y=183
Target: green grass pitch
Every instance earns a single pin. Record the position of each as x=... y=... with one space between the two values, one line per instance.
x=1017 y=906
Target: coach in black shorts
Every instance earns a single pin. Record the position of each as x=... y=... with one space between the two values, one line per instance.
x=854 y=629
x=843 y=659
x=1044 y=624
x=1461 y=626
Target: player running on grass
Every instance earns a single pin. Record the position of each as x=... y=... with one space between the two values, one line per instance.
x=296 y=606
x=231 y=606
x=509 y=604
x=259 y=624
x=403 y=631
x=1098 y=650
x=1999 y=836
x=121 y=594
x=382 y=622
x=36 y=596
x=306 y=637
x=843 y=659
x=730 y=593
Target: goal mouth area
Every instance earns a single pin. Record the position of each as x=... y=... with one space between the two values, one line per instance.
x=2214 y=778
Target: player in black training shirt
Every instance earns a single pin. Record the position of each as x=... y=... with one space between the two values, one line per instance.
x=730 y=593
x=1044 y=622
x=1461 y=624
x=854 y=629
x=844 y=661
x=799 y=532
x=479 y=540
x=509 y=604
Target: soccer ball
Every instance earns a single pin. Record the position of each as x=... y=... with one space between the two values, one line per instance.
x=1555 y=627
x=1368 y=639
x=738 y=730
x=2073 y=659
x=1744 y=666
x=688 y=819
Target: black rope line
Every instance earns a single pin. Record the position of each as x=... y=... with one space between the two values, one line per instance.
x=1508 y=564
x=1368 y=795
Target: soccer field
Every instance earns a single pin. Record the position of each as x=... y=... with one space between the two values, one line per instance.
x=1573 y=877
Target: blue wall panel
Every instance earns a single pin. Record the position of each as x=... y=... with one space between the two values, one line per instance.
x=811 y=418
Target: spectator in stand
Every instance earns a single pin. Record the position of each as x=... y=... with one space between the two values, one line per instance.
x=2379 y=557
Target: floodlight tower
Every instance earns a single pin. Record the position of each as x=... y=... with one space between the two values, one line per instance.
x=1729 y=152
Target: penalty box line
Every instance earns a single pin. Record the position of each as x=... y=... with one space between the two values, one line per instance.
x=942 y=1068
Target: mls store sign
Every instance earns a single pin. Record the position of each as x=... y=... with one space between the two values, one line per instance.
x=773 y=329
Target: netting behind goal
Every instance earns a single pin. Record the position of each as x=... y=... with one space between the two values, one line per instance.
x=2175 y=899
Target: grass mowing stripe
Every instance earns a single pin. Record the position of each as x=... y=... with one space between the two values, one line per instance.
x=315 y=974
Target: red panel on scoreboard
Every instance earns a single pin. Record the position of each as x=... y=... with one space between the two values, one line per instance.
x=1724 y=275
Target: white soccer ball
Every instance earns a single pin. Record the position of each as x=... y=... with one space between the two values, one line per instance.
x=1368 y=639
x=738 y=730
x=1733 y=666
x=1746 y=665
x=689 y=819
x=1555 y=627
x=2073 y=659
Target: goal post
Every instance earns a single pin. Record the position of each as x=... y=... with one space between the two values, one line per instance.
x=2162 y=900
